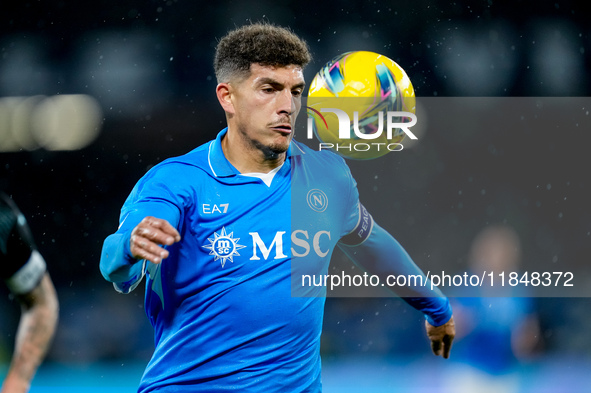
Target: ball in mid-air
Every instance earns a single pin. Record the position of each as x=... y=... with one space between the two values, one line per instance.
x=365 y=86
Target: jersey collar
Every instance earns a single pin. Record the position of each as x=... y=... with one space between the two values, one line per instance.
x=219 y=164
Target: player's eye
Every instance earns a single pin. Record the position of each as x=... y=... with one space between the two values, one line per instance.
x=296 y=93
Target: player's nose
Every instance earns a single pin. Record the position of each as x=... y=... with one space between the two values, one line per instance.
x=287 y=102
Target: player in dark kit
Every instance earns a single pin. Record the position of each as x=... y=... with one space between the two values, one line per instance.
x=24 y=271
x=220 y=231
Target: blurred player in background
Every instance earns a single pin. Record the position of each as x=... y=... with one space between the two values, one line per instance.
x=498 y=328
x=24 y=271
x=219 y=229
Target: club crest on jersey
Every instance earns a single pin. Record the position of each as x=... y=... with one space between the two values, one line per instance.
x=317 y=200
x=223 y=246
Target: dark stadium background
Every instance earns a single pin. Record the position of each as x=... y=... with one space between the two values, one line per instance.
x=149 y=66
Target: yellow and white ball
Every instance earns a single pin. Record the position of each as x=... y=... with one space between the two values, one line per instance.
x=365 y=86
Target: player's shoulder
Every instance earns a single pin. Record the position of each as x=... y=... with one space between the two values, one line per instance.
x=193 y=163
x=196 y=158
x=174 y=177
x=322 y=160
x=318 y=156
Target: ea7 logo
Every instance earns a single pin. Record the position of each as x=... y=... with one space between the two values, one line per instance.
x=392 y=123
x=211 y=209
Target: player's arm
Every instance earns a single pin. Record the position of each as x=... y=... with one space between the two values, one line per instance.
x=148 y=223
x=23 y=269
x=124 y=252
x=35 y=331
x=374 y=249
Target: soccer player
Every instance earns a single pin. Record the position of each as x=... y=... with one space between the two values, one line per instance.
x=219 y=231
x=23 y=269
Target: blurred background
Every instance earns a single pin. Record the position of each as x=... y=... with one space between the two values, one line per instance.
x=93 y=95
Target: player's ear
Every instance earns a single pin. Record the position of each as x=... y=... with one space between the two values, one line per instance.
x=224 y=94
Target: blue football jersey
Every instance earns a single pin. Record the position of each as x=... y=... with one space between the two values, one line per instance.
x=221 y=304
x=226 y=307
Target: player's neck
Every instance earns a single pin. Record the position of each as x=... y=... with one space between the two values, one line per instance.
x=247 y=159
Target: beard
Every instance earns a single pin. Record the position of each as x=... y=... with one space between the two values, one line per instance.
x=271 y=151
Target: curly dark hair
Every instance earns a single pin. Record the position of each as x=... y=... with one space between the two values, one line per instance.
x=259 y=43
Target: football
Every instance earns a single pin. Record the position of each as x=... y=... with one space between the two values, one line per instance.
x=355 y=102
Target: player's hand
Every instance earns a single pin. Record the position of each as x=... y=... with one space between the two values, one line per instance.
x=148 y=237
x=441 y=337
x=15 y=384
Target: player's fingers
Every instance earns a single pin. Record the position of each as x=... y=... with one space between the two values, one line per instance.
x=152 y=233
x=143 y=248
x=169 y=229
x=447 y=341
x=436 y=347
x=143 y=254
x=441 y=337
x=164 y=226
